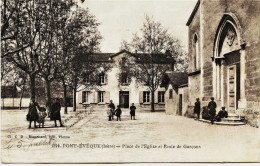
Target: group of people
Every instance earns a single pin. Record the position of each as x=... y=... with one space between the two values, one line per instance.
x=212 y=110
x=38 y=114
x=111 y=111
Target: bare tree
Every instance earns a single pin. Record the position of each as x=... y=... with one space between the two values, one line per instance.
x=11 y=18
x=155 y=52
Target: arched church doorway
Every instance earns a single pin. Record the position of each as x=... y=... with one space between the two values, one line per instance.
x=227 y=64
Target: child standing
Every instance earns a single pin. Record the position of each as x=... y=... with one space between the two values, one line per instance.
x=118 y=113
x=42 y=115
x=109 y=113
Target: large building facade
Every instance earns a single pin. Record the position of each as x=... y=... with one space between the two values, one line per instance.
x=224 y=59
x=122 y=93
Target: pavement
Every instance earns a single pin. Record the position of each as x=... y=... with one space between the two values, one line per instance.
x=88 y=137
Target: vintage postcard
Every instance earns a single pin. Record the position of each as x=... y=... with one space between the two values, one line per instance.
x=127 y=81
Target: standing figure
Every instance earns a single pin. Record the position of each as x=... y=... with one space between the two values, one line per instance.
x=55 y=112
x=42 y=115
x=32 y=113
x=132 y=111
x=109 y=113
x=118 y=113
x=212 y=109
x=197 y=107
x=222 y=114
x=112 y=106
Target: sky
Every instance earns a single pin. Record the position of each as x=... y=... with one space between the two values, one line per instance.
x=120 y=19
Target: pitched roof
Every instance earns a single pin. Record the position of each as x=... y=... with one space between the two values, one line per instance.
x=193 y=13
x=141 y=57
x=175 y=78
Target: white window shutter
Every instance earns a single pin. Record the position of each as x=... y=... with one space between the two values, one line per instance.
x=106 y=96
x=140 y=96
x=80 y=97
x=156 y=94
x=95 y=97
x=105 y=79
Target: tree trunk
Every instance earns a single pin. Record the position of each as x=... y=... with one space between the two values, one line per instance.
x=152 y=103
x=74 y=99
x=65 y=98
x=48 y=95
x=21 y=98
x=32 y=87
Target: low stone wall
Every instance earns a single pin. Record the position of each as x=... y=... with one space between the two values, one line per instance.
x=14 y=102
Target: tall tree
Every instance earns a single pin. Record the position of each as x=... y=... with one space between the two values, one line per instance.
x=155 y=51
x=81 y=38
x=58 y=14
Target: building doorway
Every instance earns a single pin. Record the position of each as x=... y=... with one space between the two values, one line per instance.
x=124 y=99
x=233 y=87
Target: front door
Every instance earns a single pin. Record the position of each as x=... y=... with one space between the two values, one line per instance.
x=233 y=87
x=124 y=99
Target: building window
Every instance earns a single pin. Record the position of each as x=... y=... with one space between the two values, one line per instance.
x=102 y=78
x=170 y=93
x=84 y=96
x=196 y=57
x=101 y=96
x=123 y=60
x=161 y=97
x=124 y=79
x=87 y=79
x=146 y=96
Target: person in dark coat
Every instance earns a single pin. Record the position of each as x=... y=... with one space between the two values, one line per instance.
x=222 y=114
x=33 y=113
x=212 y=109
x=112 y=106
x=132 y=111
x=118 y=113
x=197 y=107
x=55 y=112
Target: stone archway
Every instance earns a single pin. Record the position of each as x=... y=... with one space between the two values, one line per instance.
x=229 y=64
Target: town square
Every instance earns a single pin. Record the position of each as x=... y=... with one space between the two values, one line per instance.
x=89 y=81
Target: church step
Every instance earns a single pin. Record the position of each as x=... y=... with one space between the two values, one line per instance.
x=236 y=123
x=232 y=115
x=230 y=119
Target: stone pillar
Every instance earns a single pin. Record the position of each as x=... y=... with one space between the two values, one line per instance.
x=242 y=100
x=222 y=83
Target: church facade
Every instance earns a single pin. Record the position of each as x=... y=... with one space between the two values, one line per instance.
x=224 y=59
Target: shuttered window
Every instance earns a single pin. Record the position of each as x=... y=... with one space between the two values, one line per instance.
x=146 y=96
x=84 y=96
x=161 y=97
x=101 y=96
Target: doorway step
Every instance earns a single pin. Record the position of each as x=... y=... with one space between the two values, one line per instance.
x=231 y=120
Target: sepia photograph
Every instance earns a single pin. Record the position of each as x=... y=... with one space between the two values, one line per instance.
x=130 y=81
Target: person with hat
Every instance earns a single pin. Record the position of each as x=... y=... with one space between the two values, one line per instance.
x=132 y=111
x=212 y=109
x=222 y=114
x=197 y=107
